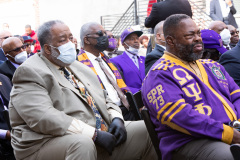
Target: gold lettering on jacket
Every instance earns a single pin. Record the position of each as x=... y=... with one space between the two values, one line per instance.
x=182 y=80
x=194 y=92
x=155 y=97
x=200 y=108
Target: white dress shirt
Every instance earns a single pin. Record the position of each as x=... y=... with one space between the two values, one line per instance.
x=224 y=8
x=112 y=93
x=162 y=46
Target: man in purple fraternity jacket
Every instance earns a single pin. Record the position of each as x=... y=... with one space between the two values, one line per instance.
x=191 y=101
x=130 y=63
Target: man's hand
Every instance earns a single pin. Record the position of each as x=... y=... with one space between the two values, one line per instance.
x=229 y=3
x=117 y=128
x=236 y=137
x=8 y=135
x=106 y=140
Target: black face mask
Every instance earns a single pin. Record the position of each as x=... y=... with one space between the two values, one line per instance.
x=102 y=43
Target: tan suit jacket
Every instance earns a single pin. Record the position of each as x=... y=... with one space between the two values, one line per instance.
x=43 y=103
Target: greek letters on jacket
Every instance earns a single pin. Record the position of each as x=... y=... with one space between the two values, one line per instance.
x=184 y=106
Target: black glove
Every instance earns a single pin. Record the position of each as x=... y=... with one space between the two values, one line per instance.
x=118 y=129
x=106 y=140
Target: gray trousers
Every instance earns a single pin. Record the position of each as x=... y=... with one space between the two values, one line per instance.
x=203 y=149
x=79 y=147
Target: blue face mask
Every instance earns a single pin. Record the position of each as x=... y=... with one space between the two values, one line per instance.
x=67 y=53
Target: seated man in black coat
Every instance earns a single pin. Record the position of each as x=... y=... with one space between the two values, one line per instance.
x=162 y=10
x=15 y=51
x=6 y=151
x=159 y=49
x=231 y=62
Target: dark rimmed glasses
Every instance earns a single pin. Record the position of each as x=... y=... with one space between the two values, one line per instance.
x=5 y=37
x=112 y=36
x=27 y=45
x=99 y=33
x=232 y=33
x=18 y=49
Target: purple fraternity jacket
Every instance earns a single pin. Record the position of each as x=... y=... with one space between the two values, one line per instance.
x=132 y=75
x=184 y=107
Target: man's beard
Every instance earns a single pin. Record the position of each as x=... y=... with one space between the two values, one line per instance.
x=185 y=52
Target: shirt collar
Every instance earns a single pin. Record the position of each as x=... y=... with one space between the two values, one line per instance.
x=131 y=55
x=91 y=56
x=162 y=46
x=15 y=64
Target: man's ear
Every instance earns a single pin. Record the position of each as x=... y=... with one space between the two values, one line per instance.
x=47 y=49
x=170 y=40
x=86 y=41
x=157 y=36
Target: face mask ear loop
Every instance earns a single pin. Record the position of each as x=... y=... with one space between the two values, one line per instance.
x=9 y=56
x=126 y=44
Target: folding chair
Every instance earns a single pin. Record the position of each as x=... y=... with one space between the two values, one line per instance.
x=6 y=117
x=138 y=99
x=133 y=105
x=151 y=130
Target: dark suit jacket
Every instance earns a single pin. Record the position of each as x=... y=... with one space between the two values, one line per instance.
x=232 y=45
x=5 y=88
x=133 y=76
x=2 y=55
x=162 y=10
x=6 y=151
x=152 y=57
x=8 y=69
x=231 y=62
x=216 y=13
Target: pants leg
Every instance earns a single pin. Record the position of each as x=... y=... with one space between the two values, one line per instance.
x=6 y=150
x=203 y=149
x=68 y=147
x=137 y=146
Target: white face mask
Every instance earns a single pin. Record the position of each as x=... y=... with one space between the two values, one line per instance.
x=20 y=57
x=225 y=35
x=32 y=48
x=67 y=53
x=132 y=50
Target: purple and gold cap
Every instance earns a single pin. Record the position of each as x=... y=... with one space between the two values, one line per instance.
x=129 y=31
x=212 y=39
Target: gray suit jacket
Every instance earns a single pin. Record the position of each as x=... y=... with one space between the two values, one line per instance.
x=43 y=103
x=216 y=13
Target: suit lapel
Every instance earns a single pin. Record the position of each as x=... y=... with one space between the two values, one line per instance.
x=130 y=63
x=141 y=67
x=11 y=66
x=160 y=49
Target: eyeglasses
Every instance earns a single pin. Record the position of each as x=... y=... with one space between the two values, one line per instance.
x=5 y=37
x=232 y=33
x=99 y=33
x=27 y=45
x=112 y=36
x=18 y=49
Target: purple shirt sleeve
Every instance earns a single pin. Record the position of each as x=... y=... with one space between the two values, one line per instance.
x=3 y=134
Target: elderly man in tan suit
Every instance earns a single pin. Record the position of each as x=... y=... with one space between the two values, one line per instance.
x=58 y=109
